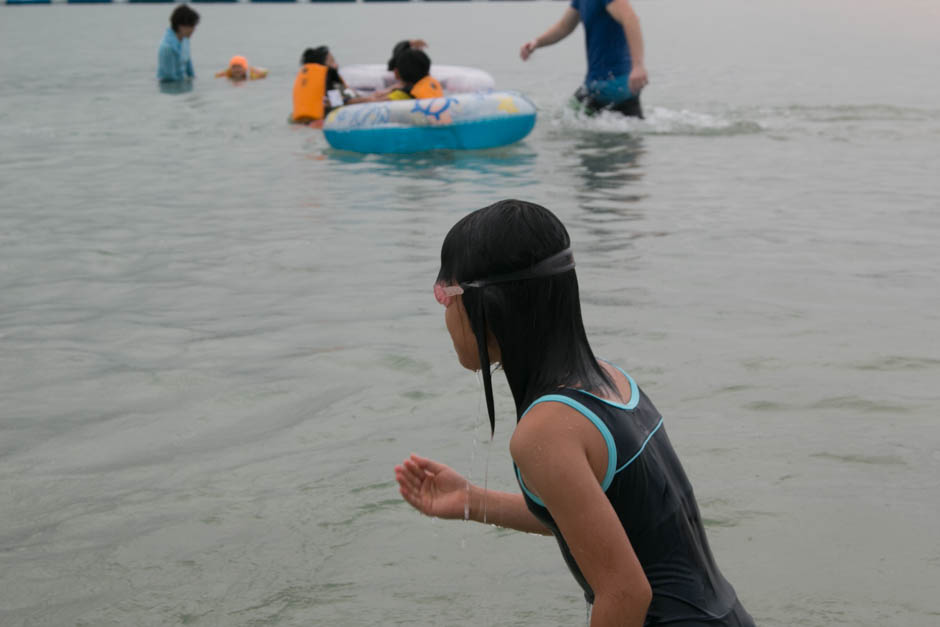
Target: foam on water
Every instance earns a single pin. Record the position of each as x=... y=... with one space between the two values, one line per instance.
x=834 y=121
x=657 y=121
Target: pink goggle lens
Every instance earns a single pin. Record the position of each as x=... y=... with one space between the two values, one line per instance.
x=445 y=293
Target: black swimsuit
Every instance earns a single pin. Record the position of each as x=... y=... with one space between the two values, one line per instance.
x=653 y=499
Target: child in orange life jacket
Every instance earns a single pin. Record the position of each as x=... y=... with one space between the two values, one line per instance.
x=397 y=84
x=412 y=66
x=239 y=70
x=318 y=87
x=401 y=46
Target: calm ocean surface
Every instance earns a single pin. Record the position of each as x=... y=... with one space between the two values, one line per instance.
x=217 y=335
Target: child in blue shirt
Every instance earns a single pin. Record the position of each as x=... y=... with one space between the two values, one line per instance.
x=173 y=59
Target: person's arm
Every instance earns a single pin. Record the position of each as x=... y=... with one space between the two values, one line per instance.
x=189 y=68
x=561 y=29
x=382 y=93
x=438 y=490
x=168 y=65
x=374 y=97
x=552 y=447
x=623 y=12
x=503 y=509
x=257 y=72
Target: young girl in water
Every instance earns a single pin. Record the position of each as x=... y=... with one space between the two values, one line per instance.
x=238 y=70
x=590 y=452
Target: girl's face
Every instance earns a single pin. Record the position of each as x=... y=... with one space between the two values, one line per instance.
x=458 y=325
x=465 y=343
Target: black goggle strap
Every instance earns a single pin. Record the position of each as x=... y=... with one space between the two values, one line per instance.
x=556 y=264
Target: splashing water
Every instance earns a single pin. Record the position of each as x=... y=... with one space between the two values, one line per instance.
x=785 y=121
x=482 y=422
x=658 y=121
x=466 y=503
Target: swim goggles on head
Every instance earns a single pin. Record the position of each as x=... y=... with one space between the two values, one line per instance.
x=556 y=264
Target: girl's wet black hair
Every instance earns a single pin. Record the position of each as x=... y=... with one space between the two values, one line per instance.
x=536 y=322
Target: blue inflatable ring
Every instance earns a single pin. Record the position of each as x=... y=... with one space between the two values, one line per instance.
x=456 y=122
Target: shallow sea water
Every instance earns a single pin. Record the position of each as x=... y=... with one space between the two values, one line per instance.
x=217 y=334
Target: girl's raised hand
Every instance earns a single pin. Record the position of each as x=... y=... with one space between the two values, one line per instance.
x=433 y=488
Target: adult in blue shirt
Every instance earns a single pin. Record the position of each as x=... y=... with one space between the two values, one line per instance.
x=616 y=71
x=173 y=61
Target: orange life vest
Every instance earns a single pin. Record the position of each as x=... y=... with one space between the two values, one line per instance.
x=309 y=89
x=427 y=87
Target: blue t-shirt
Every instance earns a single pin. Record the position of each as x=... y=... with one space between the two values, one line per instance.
x=607 y=50
x=173 y=60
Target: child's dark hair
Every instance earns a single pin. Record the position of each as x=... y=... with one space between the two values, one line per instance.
x=413 y=65
x=183 y=16
x=536 y=321
x=315 y=55
x=400 y=47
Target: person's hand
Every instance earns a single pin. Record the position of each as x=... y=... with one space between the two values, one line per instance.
x=433 y=488
x=417 y=44
x=638 y=79
x=527 y=49
x=379 y=94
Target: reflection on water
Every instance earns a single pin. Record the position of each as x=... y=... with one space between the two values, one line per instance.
x=608 y=165
x=175 y=87
x=445 y=177
x=609 y=170
x=513 y=161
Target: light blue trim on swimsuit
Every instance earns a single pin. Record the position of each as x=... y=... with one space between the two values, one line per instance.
x=634 y=392
x=526 y=490
x=645 y=442
x=634 y=400
x=605 y=432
